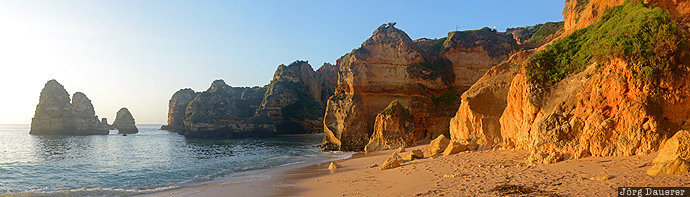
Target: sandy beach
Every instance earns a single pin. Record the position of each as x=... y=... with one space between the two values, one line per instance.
x=472 y=173
x=490 y=173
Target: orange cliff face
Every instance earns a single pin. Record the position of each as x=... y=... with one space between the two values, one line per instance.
x=426 y=76
x=579 y=14
x=612 y=107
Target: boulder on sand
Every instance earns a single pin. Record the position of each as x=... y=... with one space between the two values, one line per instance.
x=674 y=157
x=438 y=145
x=333 y=166
x=392 y=162
x=415 y=154
x=454 y=148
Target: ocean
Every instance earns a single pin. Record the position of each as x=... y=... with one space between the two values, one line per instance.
x=152 y=160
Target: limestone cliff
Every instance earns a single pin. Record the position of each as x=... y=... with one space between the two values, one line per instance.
x=293 y=103
x=293 y=99
x=328 y=80
x=177 y=106
x=579 y=14
x=426 y=75
x=592 y=92
x=530 y=37
x=477 y=118
x=55 y=115
x=124 y=122
x=393 y=129
x=223 y=111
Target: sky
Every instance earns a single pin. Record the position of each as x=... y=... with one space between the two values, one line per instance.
x=136 y=54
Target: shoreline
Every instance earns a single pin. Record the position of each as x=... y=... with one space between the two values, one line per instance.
x=276 y=181
x=471 y=173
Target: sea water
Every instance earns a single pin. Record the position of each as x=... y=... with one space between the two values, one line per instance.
x=151 y=160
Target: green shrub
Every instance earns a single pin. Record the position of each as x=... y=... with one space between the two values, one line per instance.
x=535 y=34
x=640 y=35
x=438 y=47
x=392 y=109
x=544 y=30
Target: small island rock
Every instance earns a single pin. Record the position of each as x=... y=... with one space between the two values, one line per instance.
x=55 y=115
x=124 y=122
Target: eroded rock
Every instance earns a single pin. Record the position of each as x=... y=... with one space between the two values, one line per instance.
x=454 y=148
x=426 y=74
x=55 y=115
x=223 y=111
x=414 y=154
x=674 y=157
x=392 y=162
x=177 y=107
x=293 y=99
x=124 y=122
x=438 y=145
x=393 y=129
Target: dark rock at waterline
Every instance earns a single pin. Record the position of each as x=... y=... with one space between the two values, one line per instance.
x=223 y=111
x=177 y=107
x=55 y=115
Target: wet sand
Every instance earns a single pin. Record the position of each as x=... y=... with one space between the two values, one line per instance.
x=474 y=173
x=280 y=181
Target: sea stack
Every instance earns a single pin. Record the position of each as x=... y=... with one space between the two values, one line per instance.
x=55 y=115
x=124 y=122
x=85 y=118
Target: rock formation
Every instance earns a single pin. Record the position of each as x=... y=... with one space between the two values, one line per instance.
x=414 y=154
x=530 y=37
x=328 y=80
x=596 y=99
x=483 y=104
x=393 y=128
x=55 y=115
x=86 y=121
x=124 y=122
x=104 y=124
x=427 y=75
x=223 y=111
x=293 y=103
x=393 y=161
x=580 y=14
x=674 y=157
x=438 y=145
x=293 y=99
x=453 y=148
x=177 y=106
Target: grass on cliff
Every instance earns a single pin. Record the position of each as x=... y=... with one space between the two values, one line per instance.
x=643 y=36
x=391 y=109
x=536 y=34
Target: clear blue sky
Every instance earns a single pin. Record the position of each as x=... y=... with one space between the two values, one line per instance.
x=136 y=53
